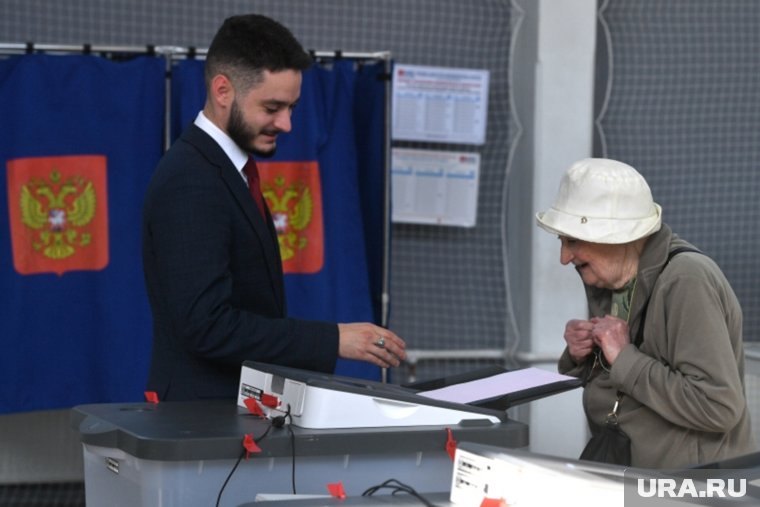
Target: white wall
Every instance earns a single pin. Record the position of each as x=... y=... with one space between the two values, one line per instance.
x=563 y=134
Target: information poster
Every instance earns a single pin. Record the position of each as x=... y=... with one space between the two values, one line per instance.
x=439 y=104
x=435 y=187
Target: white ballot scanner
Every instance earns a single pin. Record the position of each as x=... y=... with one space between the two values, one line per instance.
x=309 y=399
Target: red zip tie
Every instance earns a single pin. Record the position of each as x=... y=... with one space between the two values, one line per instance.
x=253 y=407
x=250 y=445
x=493 y=502
x=336 y=490
x=269 y=400
x=451 y=444
x=151 y=397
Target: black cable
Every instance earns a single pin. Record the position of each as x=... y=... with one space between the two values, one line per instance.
x=229 y=476
x=279 y=422
x=237 y=463
x=292 y=449
x=398 y=487
x=293 y=458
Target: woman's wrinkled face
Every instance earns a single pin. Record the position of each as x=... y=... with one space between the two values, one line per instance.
x=600 y=265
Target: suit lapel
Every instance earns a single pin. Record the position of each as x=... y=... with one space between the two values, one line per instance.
x=261 y=226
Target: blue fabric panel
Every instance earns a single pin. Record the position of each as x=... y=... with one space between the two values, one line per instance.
x=79 y=336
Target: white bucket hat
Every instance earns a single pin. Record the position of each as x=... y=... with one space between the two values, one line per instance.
x=602 y=201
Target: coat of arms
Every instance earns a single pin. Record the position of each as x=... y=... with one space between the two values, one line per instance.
x=58 y=213
x=58 y=210
x=293 y=193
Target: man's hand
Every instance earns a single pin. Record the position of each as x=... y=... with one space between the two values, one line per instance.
x=371 y=343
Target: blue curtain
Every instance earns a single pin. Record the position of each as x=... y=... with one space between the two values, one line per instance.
x=79 y=138
x=369 y=102
x=338 y=125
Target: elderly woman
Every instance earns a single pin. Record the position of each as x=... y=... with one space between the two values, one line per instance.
x=661 y=354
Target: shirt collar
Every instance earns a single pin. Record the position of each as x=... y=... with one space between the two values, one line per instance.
x=238 y=156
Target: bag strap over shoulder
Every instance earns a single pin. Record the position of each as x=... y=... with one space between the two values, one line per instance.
x=612 y=416
x=642 y=320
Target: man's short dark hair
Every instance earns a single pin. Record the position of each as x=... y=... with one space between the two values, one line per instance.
x=247 y=45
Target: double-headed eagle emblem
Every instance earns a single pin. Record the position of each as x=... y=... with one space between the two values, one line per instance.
x=292 y=209
x=58 y=210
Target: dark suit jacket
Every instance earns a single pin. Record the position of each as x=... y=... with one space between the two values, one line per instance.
x=214 y=279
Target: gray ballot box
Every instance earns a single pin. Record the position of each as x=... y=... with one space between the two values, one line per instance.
x=189 y=453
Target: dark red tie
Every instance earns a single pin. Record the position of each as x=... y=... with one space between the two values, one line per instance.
x=254 y=185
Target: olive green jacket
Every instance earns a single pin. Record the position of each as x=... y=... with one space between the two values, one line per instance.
x=683 y=389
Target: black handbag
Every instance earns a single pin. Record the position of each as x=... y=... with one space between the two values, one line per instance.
x=609 y=445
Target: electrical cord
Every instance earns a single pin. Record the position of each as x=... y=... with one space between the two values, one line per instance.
x=398 y=487
x=279 y=422
x=292 y=449
x=276 y=422
x=219 y=496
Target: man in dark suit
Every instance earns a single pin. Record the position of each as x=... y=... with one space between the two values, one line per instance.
x=211 y=258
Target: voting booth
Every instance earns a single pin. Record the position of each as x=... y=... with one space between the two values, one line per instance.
x=309 y=429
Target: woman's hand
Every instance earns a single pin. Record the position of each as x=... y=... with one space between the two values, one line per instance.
x=580 y=342
x=611 y=334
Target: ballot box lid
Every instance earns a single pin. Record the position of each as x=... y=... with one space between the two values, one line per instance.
x=200 y=430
